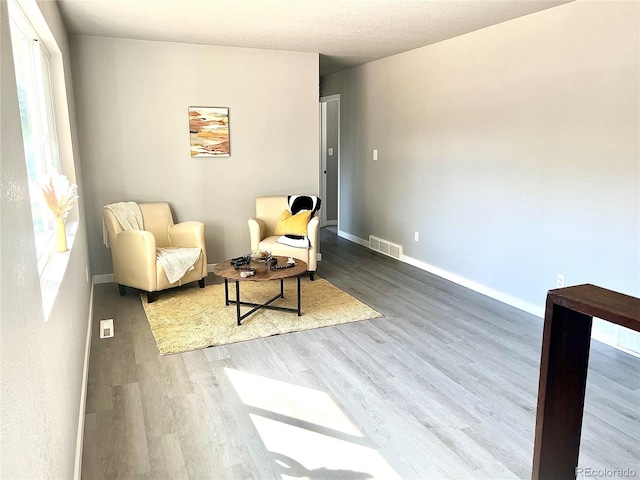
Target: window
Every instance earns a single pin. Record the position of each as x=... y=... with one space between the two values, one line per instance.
x=35 y=97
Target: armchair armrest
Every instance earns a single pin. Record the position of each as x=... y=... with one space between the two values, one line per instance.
x=257 y=231
x=190 y=234
x=187 y=234
x=134 y=259
x=313 y=232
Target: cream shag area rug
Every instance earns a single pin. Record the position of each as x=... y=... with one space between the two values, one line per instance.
x=190 y=319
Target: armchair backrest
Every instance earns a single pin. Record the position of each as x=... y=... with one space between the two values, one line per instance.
x=156 y=218
x=269 y=209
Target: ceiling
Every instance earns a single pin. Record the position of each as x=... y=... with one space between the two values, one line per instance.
x=345 y=33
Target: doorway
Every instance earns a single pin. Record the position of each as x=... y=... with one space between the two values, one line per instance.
x=330 y=160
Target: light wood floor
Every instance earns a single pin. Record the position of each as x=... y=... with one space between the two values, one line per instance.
x=444 y=386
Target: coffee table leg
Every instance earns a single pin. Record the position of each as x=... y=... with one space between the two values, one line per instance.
x=282 y=288
x=238 y=301
x=226 y=292
x=299 y=312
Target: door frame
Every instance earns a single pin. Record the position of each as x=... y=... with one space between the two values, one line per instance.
x=323 y=157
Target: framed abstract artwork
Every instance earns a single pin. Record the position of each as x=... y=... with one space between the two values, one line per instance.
x=209 y=131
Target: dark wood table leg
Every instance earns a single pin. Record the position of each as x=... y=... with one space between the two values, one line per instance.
x=226 y=292
x=282 y=288
x=238 y=302
x=563 y=378
x=299 y=312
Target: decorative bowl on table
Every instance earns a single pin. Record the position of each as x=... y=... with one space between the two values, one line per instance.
x=261 y=255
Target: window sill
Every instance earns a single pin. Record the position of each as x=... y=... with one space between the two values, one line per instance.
x=54 y=270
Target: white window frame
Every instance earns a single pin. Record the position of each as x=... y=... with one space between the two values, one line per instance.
x=42 y=155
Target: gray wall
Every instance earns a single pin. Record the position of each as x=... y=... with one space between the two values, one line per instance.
x=513 y=150
x=133 y=98
x=41 y=362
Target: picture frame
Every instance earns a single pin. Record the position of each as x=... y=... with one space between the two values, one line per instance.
x=209 y=131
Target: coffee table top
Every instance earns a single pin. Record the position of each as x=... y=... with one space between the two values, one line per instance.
x=224 y=269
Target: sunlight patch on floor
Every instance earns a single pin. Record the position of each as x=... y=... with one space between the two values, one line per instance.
x=303 y=453
x=284 y=398
x=307 y=433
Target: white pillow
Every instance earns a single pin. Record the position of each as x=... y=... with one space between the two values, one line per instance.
x=294 y=241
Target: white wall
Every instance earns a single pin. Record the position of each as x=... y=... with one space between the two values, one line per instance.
x=133 y=98
x=41 y=362
x=513 y=150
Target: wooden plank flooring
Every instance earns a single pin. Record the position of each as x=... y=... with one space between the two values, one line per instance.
x=444 y=386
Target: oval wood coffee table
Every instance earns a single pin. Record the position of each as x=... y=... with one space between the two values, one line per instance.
x=225 y=270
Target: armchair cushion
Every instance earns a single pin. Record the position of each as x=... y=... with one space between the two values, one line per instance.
x=293 y=224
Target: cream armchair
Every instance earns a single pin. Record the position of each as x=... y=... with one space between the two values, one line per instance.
x=134 y=251
x=263 y=225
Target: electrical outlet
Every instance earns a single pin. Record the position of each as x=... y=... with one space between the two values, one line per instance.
x=106 y=328
x=375 y=154
x=330 y=151
x=560 y=281
x=416 y=237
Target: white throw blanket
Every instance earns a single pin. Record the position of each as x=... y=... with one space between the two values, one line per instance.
x=128 y=215
x=177 y=261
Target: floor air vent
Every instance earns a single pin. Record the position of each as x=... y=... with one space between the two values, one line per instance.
x=385 y=247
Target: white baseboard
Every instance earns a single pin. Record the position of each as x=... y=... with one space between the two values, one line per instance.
x=106 y=278
x=536 y=310
x=353 y=238
x=83 y=393
x=318 y=257
x=210 y=267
